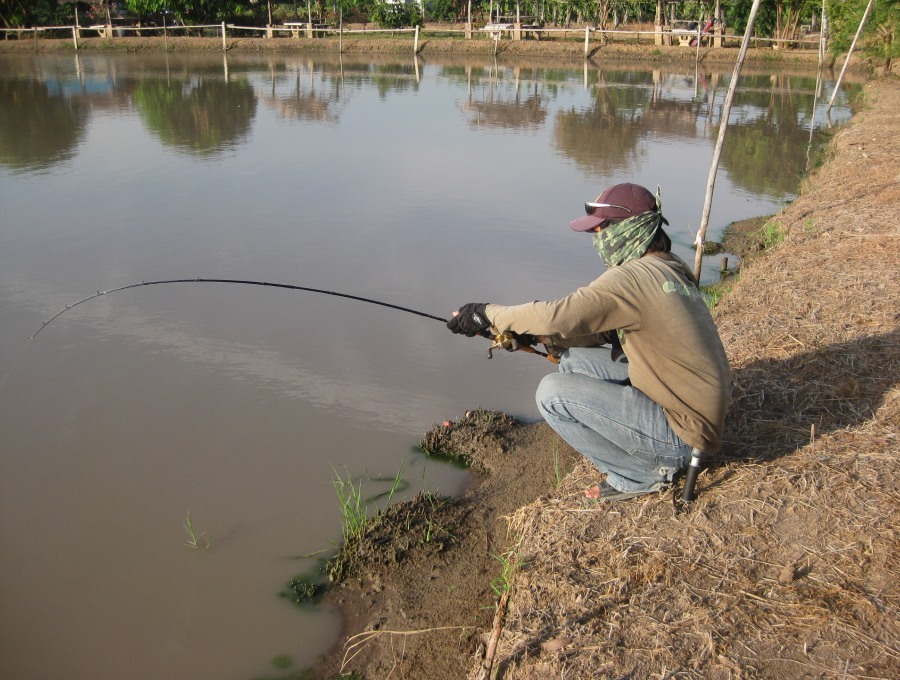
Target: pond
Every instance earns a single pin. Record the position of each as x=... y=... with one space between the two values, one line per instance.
x=231 y=411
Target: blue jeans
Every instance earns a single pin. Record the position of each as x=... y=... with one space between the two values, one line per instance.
x=623 y=432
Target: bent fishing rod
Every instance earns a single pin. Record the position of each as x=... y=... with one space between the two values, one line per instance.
x=507 y=341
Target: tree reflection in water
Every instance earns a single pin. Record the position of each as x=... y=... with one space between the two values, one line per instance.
x=38 y=128
x=197 y=115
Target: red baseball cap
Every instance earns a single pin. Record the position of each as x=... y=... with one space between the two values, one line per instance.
x=616 y=203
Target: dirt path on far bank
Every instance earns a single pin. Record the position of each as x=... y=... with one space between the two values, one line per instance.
x=430 y=44
x=787 y=564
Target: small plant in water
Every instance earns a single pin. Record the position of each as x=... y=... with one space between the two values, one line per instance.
x=282 y=661
x=398 y=484
x=195 y=540
x=353 y=508
x=306 y=587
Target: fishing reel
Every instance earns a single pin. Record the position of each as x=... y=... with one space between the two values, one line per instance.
x=513 y=343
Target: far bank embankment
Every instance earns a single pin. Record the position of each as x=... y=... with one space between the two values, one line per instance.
x=429 y=44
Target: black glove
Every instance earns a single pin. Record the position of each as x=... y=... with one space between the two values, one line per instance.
x=470 y=321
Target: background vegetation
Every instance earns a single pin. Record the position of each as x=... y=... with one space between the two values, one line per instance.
x=784 y=19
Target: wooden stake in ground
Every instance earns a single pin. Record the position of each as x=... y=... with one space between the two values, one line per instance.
x=837 y=85
x=723 y=126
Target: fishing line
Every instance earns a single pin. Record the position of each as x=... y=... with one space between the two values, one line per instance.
x=267 y=284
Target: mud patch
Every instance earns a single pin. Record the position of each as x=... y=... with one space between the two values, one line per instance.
x=415 y=589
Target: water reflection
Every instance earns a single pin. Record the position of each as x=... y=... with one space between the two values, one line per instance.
x=516 y=103
x=197 y=114
x=202 y=107
x=772 y=117
x=39 y=125
x=310 y=97
x=605 y=136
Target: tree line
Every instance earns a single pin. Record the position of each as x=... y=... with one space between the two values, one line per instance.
x=777 y=18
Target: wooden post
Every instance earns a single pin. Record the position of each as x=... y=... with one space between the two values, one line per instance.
x=717 y=27
x=587 y=41
x=837 y=85
x=224 y=46
x=717 y=153
x=416 y=42
x=469 y=22
x=658 y=25
x=75 y=37
x=699 y=40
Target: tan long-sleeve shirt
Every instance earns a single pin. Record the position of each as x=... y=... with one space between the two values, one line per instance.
x=675 y=355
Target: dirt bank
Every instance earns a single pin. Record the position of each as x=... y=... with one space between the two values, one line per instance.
x=786 y=565
x=431 y=43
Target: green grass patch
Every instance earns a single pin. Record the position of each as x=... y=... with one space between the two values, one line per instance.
x=772 y=234
x=353 y=508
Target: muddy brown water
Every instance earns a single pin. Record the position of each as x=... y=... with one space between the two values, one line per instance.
x=423 y=184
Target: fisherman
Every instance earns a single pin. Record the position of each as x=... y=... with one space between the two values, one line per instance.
x=635 y=410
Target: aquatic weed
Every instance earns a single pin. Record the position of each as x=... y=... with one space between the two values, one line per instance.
x=353 y=508
x=195 y=540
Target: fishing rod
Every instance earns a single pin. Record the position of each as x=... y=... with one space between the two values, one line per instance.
x=506 y=341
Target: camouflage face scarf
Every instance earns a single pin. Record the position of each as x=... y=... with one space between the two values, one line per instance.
x=628 y=239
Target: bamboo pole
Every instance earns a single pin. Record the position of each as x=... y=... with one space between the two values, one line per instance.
x=837 y=85
x=699 y=40
x=823 y=23
x=720 y=142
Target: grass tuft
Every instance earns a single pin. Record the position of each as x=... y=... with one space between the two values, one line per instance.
x=195 y=540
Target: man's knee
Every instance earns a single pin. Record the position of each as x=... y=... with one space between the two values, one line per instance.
x=548 y=391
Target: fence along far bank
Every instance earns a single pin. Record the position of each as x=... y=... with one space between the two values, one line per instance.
x=515 y=31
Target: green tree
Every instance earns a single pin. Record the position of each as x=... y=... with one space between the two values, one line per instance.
x=878 y=40
x=28 y=13
x=789 y=14
x=396 y=15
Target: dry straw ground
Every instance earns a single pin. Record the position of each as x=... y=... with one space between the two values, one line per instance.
x=787 y=565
